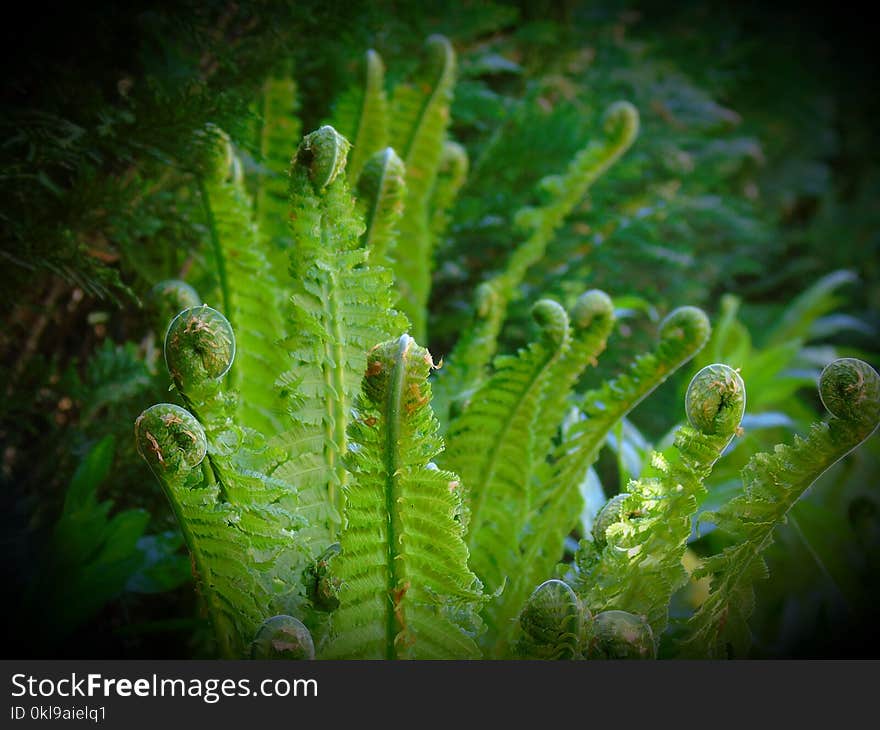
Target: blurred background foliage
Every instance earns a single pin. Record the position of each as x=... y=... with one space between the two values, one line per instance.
x=751 y=191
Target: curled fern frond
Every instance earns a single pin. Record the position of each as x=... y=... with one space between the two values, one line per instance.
x=283 y=637
x=478 y=343
x=170 y=439
x=167 y=299
x=237 y=517
x=634 y=563
x=361 y=114
x=322 y=155
x=419 y=118
x=451 y=175
x=621 y=635
x=381 y=189
x=406 y=590
x=772 y=484
x=592 y=319
x=552 y=623
x=199 y=350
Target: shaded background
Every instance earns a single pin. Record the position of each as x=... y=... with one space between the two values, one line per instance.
x=755 y=178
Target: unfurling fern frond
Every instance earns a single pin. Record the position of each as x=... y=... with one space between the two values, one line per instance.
x=634 y=563
x=557 y=503
x=339 y=309
x=476 y=346
x=278 y=135
x=380 y=195
x=168 y=298
x=406 y=590
x=553 y=623
x=451 y=175
x=772 y=484
x=361 y=115
x=251 y=289
x=237 y=518
x=419 y=118
x=491 y=444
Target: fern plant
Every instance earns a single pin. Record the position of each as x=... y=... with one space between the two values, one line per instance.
x=344 y=495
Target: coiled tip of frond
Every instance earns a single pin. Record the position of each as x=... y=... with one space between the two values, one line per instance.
x=384 y=172
x=591 y=305
x=323 y=590
x=486 y=300
x=621 y=635
x=716 y=400
x=439 y=49
x=169 y=438
x=199 y=346
x=214 y=151
x=454 y=159
x=323 y=154
x=283 y=637
x=621 y=120
x=168 y=298
x=850 y=390
x=551 y=622
x=608 y=515
x=688 y=324
x=552 y=318
x=382 y=363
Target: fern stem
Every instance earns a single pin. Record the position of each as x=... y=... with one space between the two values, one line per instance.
x=396 y=571
x=216 y=246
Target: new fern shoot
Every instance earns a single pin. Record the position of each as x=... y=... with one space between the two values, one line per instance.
x=345 y=493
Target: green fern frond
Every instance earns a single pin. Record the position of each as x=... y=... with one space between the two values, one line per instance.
x=476 y=346
x=406 y=590
x=279 y=133
x=451 y=175
x=491 y=445
x=772 y=484
x=251 y=299
x=339 y=309
x=361 y=115
x=634 y=562
x=237 y=517
x=381 y=189
x=592 y=319
x=558 y=503
x=419 y=118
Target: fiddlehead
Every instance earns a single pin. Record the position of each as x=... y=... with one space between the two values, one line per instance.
x=170 y=439
x=772 y=484
x=552 y=624
x=380 y=191
x=406 y=590
x=634 y=562
x=621 y=635
x=419 y=118
x=451 y=175
x=362 y=115
x=236 y=516
x=282 y=637
x=199 y=349
x=167 y=299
